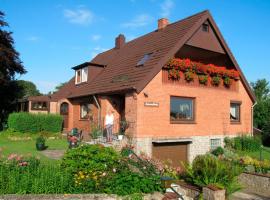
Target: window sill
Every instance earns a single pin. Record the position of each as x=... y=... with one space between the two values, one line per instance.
x=183 y=122
x=83 y=119
x=235 y=123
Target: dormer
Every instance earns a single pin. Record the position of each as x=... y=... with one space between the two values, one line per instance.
x=86 y=72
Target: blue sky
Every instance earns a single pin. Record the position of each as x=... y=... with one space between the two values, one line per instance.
x=52 y=36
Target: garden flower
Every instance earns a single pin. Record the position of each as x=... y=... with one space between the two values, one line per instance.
x=114 y=170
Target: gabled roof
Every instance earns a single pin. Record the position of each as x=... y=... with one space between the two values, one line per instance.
x=121 y=72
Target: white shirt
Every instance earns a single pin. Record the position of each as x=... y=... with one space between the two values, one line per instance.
x=109 y=118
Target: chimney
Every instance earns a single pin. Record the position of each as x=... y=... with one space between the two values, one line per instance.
x=120 y=41
x=162 y=23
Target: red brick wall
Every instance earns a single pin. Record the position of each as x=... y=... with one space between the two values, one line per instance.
x=212 y=110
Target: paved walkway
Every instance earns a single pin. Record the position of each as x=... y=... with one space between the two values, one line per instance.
x=53 y=154
x=243 y=195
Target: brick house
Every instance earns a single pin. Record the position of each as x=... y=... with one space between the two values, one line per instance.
x=170 y=117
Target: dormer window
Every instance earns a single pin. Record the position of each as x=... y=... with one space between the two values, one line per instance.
x=81 y=75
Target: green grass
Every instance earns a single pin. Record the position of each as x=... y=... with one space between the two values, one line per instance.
x=27 y=147
x=256 y=154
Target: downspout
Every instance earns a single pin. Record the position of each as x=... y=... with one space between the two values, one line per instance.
x=99 y=110
x=252 y=112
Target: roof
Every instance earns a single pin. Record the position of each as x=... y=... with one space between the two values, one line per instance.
x=39 y=98
x=121 y=72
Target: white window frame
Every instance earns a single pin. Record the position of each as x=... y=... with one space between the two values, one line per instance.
x=215 y=143
x=83 y=75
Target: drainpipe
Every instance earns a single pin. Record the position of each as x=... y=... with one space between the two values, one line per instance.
x=252 y=110
x=99 y=110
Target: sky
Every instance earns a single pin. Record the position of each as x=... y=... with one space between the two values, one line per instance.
x=54 y=35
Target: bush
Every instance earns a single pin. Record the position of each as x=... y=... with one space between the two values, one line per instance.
x=218 y=151
x=243 y=143
x=246 y=143
x=99 y=169
x=34 y=123
x=208 y=169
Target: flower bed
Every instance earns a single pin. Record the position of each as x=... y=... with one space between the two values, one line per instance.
x=211 y=73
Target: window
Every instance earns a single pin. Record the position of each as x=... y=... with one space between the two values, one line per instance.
x=39 y=105
x=182 y=109
x=85 y=111
x=144 y=59
x=205 y=28
x=215 y=143
x=235 y=112
x=81 y=75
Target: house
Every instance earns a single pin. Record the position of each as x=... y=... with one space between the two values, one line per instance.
x=179 y=87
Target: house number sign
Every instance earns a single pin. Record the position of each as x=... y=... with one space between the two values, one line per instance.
x=151 y=104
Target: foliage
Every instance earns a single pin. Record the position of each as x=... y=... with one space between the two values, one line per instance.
x=34 y=123
x=218 y=151
x=174 y=74
x=28 y=88
x=246 y=143
x=216 y=80
x=259 y=166
x=27 y=176
x=101 y=169
x=227 y=81
x=208 y=169
x=10 y=66
x=203 y=79
x=200 y=68
x=95 y=132
x=40 y=140
x=261 y=89
x=189 y=76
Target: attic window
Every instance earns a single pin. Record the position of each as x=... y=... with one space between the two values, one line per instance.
x=81 y=75
x=144 y=59
x=205 y=28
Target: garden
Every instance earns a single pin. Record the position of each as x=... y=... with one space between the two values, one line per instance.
x=96 y=169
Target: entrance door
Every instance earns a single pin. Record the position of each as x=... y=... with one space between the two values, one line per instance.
x=174 y=151
x=64 y=113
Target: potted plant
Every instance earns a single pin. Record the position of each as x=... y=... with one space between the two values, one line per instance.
x=40 y=143
x=189 y=76
x=203 y=79
x=227 y=81
x=123 y=127
x=216 y=80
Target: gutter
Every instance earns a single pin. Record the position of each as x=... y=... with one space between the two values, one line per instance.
x=252 y=112
x=99 y=110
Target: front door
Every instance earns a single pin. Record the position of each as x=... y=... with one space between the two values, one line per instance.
x=64 y=113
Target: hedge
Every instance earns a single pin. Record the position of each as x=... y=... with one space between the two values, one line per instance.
x=34 y=123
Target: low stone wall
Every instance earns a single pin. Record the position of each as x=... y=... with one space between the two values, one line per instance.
x=256 y=183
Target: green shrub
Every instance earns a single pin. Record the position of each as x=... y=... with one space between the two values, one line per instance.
x=34 y=123
x=228 y=142
x=99 y=169
x=218 y=151
x=246 y=143
x=208 y=169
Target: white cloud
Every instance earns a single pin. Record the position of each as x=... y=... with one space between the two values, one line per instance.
x=166 y=7
x=139 y=21
x=95 y=37
x=81 y=16
x=33 y=38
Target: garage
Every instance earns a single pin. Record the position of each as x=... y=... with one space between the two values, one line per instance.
x=173 y=151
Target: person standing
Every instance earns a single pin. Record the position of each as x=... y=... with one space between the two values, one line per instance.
x=109 y=120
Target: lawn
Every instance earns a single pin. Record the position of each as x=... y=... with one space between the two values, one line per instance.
x=25 y=145
x=256 y=154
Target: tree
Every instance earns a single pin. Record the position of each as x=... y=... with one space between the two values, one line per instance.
x=28 y=88
x=10 y=65
x=261 y=89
